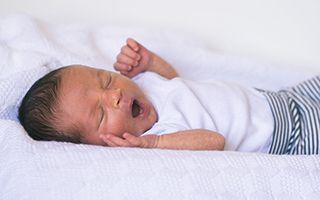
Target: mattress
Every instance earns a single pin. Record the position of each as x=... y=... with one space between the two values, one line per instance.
x=30 y=169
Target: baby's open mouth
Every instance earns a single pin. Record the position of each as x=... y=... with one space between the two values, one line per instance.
x=136 y=109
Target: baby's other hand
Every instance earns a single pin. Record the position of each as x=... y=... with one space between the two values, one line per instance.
x=147 y=141
x=129 y=140
x=133 y=59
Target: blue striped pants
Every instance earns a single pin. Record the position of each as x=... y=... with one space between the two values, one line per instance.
x=296 y=112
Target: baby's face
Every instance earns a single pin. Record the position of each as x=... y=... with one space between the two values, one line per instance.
x=96 y=101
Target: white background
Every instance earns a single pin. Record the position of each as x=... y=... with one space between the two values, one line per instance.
x=281 y=31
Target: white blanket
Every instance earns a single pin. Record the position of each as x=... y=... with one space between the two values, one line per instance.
x=51 y=170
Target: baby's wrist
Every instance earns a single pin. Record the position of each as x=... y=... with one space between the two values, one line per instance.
x=153 y=62
x=151 y=141
x=156 y=141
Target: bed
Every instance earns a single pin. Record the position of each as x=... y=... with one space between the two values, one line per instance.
x=30 y=48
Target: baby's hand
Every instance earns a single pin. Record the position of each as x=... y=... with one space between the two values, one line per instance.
x=133 y=59
x=129 y=140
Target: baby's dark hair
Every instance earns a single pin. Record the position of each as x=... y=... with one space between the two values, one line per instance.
x=38 y=112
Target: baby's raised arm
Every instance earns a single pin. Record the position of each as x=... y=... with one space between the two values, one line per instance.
x=196 y=139
x=135 y=58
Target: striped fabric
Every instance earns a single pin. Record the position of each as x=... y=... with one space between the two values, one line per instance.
x=296 y=113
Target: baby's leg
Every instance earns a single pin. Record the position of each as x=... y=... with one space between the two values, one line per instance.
x=309 y=88
x=306 y=100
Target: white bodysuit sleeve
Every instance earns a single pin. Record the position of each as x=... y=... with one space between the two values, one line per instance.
x=164 y=128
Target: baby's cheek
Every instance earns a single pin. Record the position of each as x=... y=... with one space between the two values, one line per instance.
x=118 y=125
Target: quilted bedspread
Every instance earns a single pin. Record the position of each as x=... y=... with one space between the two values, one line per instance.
x=51 y=170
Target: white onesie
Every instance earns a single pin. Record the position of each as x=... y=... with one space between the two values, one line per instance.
x=242 y=115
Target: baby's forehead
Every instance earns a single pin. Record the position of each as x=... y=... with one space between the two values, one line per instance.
x=79 y=69
x=83 y=70
x=81 y=77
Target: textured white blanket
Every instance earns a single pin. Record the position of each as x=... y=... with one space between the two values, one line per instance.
x=51 y=170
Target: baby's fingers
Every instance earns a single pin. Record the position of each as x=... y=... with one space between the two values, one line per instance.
x=133 y=44
x=126 y=60
x=135 y=141
x=107 y=141
x=116 y=141
x=122 y=67
x=128 y=51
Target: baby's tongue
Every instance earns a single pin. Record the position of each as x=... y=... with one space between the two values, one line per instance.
x=135 y=109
